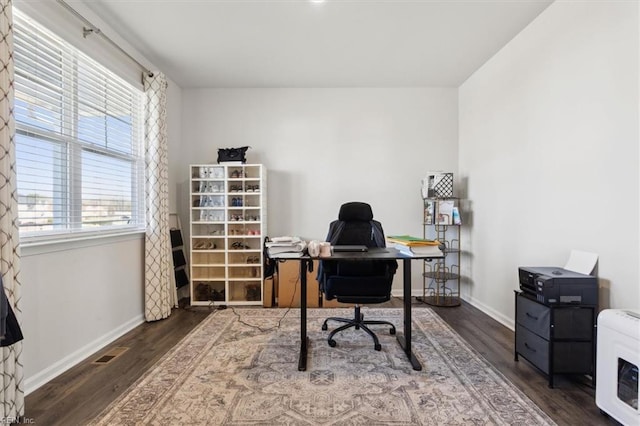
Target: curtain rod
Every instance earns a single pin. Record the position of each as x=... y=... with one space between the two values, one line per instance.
x=92 y=29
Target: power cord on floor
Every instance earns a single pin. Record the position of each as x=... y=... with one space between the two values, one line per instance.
x=263 y=330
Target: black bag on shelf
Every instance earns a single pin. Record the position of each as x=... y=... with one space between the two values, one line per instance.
x=232 y=154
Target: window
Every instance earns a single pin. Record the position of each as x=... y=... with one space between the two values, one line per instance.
x=79 y=141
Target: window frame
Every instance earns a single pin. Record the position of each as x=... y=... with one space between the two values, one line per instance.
x=70 y=209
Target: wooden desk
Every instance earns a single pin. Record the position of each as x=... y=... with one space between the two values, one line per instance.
x=404 y=339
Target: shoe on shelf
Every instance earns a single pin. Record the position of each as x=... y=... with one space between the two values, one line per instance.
x=239 y=245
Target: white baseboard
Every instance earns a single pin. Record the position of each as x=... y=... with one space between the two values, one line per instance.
x=415 y=292
x=501 y=318
x=54 y=370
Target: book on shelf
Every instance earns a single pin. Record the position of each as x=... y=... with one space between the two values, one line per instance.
x=456 y=216
x=421 y=250
x=410 y=245
x=408 y=240
x=444 y=215
x=429 y=212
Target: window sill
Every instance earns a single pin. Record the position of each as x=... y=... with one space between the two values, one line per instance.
x=34 y=248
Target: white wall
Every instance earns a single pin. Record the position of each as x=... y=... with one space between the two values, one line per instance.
x=549 y=148
x=323 y=147
x=76 y=298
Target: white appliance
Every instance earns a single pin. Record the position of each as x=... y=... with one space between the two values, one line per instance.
x=618 y=358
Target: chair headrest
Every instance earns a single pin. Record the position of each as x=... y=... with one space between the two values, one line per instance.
x=355 y=211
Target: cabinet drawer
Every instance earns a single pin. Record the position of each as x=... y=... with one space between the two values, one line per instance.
x=534 y=348
x=534 y=316
x=574 y=323
x=573 y=357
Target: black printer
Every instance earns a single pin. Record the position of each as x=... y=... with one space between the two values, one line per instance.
x=551 y=285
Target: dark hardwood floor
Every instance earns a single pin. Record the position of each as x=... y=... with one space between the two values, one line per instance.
x=81 y=393
x=572 y=399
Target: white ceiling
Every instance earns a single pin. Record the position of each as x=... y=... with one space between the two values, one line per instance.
x=298 y=43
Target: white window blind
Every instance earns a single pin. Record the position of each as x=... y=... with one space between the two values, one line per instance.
x=79 y=141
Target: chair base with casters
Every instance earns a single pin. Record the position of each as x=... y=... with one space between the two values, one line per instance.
x=359 y=323
x=356 y=281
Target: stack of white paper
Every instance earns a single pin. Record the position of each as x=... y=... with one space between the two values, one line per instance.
x=286 y=247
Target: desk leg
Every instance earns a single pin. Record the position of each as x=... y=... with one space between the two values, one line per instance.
x=304 y=340
x=405 y=340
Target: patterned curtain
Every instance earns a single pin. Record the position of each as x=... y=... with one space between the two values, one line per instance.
x=11 y=392
x=160 y=291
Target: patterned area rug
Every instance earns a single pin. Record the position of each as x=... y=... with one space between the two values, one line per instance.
x=239 y=367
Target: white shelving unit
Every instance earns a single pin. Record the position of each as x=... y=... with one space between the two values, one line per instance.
x=227 y=224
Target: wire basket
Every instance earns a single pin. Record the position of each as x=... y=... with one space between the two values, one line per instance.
x=443 y=185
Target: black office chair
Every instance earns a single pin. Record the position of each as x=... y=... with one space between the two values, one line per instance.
x=359 y=282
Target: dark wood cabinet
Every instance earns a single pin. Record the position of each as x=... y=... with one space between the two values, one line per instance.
x=558 y=338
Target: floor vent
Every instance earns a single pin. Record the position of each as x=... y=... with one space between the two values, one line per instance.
x=112 y=354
